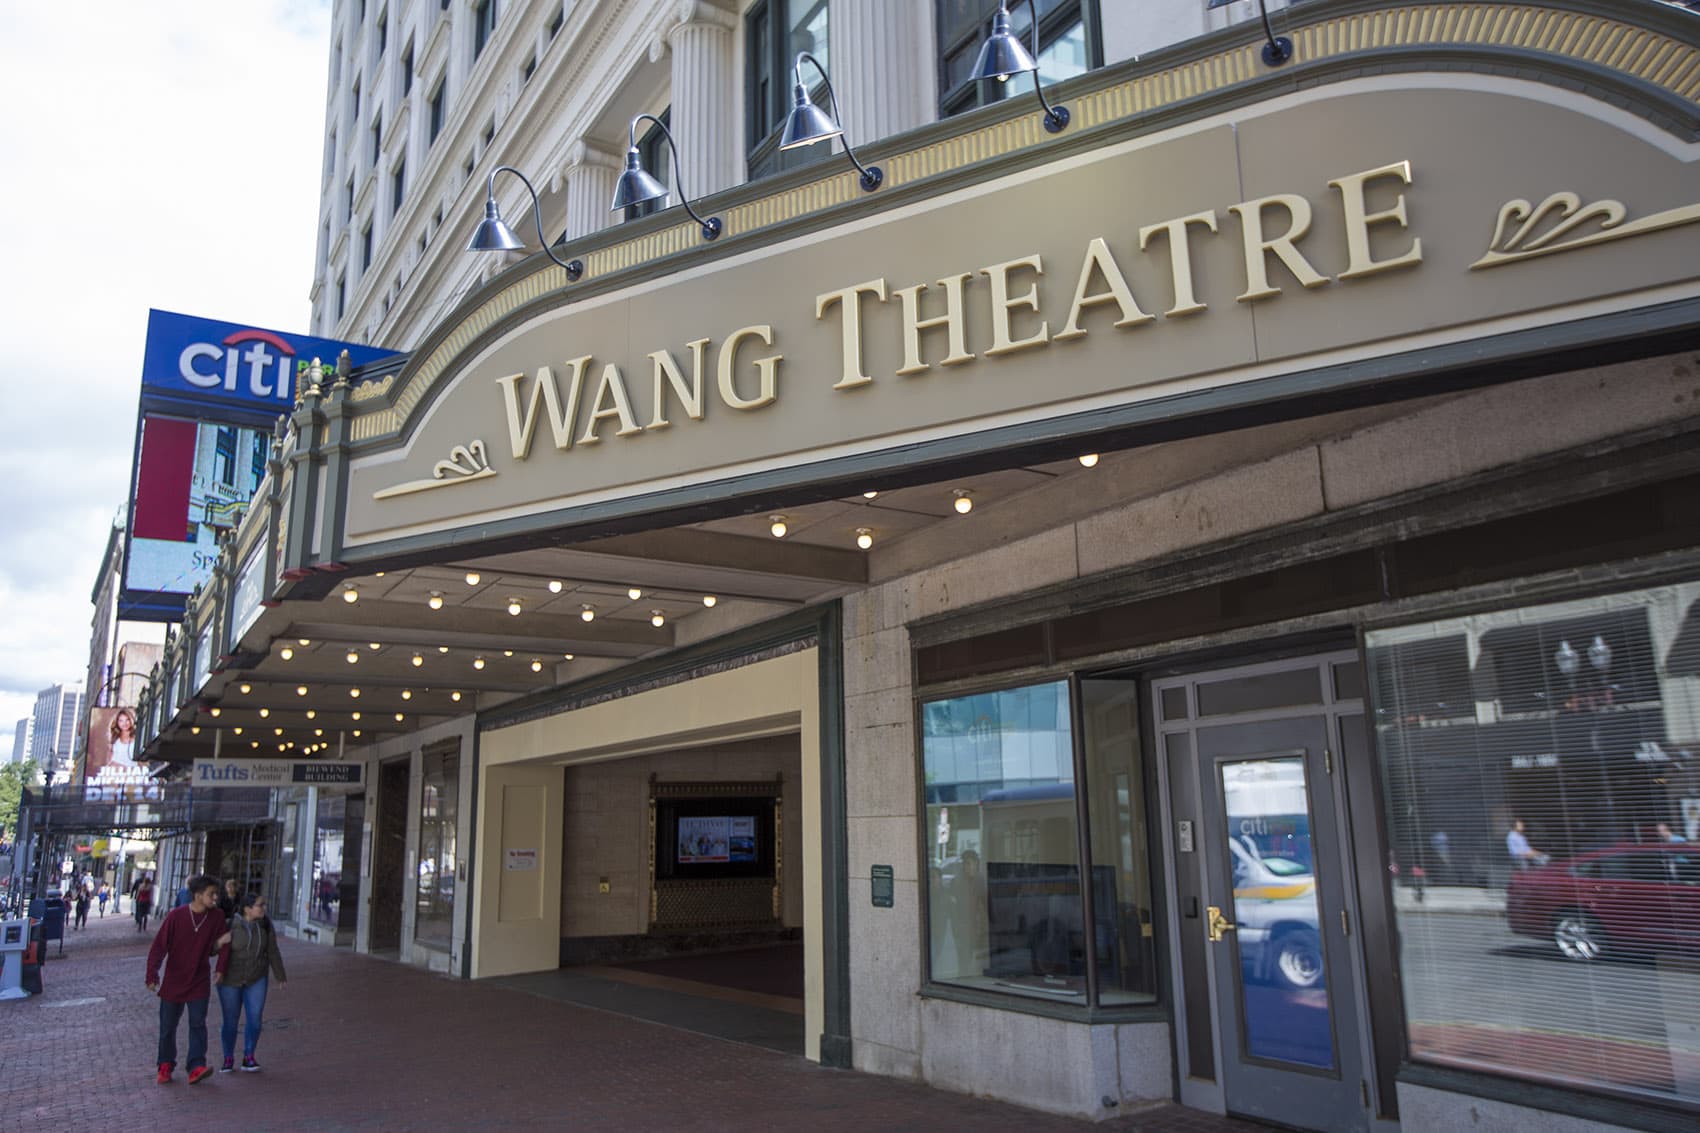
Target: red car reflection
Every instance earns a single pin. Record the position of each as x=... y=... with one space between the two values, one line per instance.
x=1626 y=899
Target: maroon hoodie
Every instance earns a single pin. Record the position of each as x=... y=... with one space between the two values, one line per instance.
x=184 y=943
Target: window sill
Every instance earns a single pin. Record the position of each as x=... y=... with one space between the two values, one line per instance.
x=1650 y=1115
x=1067 y=1012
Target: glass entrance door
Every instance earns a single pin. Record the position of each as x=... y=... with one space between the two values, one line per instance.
x=1265 y=848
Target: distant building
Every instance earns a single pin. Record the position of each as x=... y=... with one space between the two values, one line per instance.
x=21 y=744
x=57 y=710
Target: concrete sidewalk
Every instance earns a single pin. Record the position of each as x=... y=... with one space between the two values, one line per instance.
x=357 y=1043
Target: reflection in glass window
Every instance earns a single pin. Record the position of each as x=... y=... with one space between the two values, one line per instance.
x=439 y=810
x=326 y=903
x=1542 y=773
x=282 y=899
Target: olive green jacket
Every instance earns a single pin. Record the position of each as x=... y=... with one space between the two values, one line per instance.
x=253 y=949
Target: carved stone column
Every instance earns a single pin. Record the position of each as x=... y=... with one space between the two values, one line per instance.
x=705 y=103
x=884 y=67
x=589 y=176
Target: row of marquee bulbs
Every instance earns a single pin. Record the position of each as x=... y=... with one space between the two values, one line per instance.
x=286 y=745
x=780 y=525
x=312 y=713
x=287 y=653
x=516 y=605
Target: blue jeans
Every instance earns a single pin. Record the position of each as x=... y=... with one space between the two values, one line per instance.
x=250 y=1000
x=169 y=1014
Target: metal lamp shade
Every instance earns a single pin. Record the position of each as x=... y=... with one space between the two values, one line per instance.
x=807 y=124
x=1002 y=54
x=492 y=234
x=635 y=186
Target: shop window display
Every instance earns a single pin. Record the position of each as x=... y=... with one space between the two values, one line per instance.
x=1543 y=806
x=439 y=813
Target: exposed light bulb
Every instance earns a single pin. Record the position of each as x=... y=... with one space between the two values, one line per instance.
x=587 y=613
x=194 y=731
x=418 y=660
x=373 y=646
x=318 y=731
x=312 y=714
x=300 y=690
x=514 y=607
x=407 y=694
x=352 y=656
x=566 y=656
x=507 y=652
x=478 y=662
x=777 y=525
x=277 y=731
x=1089 y=460
x=870 y=495
x=864 y=537
x=473 y=577
x=355 y=715
x=634 y=593
x=355 y=693
x=302 y=642
x=237 y=730
x=356 y=733
x=286 y=653
x=218 y=712
x=964 y=501
x=245 y=688
x=264 y=712
x=380 y=574
x=555 y=586
x=536 y=666
x=399 y=717
x=709 y=600
x=442 y=649
x=435 y=601
x=455 y=695
x=657 y=618
x=253 y=743
x=351 y=595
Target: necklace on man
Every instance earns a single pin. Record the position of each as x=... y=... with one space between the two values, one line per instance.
x=197 y=923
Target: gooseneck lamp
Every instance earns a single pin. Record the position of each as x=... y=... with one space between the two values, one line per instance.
x=1002 y=55
x=808 y=124
x=636 y=186
x=493 y=234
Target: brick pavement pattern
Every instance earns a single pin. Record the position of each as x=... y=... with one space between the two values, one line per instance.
x=363 y=1044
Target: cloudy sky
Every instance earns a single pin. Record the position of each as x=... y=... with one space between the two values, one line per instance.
x=164 y=153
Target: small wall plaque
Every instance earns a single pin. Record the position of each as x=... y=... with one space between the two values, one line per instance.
x=882 y=886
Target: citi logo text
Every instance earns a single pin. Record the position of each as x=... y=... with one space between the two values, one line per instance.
x=265 y=365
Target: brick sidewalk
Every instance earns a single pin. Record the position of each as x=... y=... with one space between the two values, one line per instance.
x=358 y=1043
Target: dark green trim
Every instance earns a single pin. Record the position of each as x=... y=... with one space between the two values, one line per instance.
x=471 y=885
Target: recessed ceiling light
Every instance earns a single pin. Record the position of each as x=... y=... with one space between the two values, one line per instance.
x=634 y=593
x=1088 y=460
x=399 y=717
x=357 y=733
x=407 y=694
x=302 y=642
x=354 y=692
x=194 y=731
x=217 y=711
x=312 y=714
x=300 y=690
x=264 y=712
x=555 y=586
x=237 y=730
x=442 y=649
x=869 y=495
x=286 y=653
x=245 y=688
x=354 y=715
x=373 y=646
x=455 y=695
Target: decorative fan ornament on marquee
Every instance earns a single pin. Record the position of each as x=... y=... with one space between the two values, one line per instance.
x=465 y=464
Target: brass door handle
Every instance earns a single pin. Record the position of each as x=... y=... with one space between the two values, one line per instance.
x=1217 y=925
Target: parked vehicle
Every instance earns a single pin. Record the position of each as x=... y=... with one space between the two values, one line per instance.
x=1275 y=907
x=1637 y=898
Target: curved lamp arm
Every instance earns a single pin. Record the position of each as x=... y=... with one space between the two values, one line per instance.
x=711 y=227
x=574 y=268
x=872 y=175
x=1279 y=49
x=1056 y=117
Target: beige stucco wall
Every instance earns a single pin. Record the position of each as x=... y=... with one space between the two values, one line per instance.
x=1134 y=507
x=607 y=829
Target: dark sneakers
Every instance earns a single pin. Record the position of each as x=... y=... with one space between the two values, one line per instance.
x=249 y=1066
x=164 y=1078
x=200 y=1074
x=229 y=1065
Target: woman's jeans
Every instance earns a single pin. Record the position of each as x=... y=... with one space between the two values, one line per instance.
x=251 y=1001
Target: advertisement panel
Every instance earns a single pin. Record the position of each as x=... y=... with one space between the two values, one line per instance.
x=220 y=773
x=210 y=394
x=112 y=748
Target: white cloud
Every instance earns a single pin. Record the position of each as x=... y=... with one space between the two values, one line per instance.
x=162 y=155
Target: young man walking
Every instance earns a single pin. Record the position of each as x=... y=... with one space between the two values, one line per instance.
x=187 y=939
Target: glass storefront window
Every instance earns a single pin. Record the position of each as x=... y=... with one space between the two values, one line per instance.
x=282 y=903
x=1006 y=908
x=439 y=812
x=1542 y=774
x=325 y=906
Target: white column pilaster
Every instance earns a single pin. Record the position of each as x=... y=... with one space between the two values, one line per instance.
x=589 y=175
x=884 y=67
x=705 y=104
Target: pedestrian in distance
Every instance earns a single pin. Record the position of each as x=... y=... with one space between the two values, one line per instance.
x=103 y=897
x=230 y=901
x=141 y=900
x=253 y=958
x=1523 y=855
x=82 y=906
x=178 y=972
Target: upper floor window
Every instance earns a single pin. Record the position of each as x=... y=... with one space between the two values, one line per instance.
x=1069 y=44
x=439 y=103
x=398 y=185
x=224 y=456
x=774 y=32
x=341 y=296
x=377 y=138
x=483 y=26
x=330 y=156
x=366 y=246
x=383 y=32
x=348 y=201
x=407 y=69
x=555 y=24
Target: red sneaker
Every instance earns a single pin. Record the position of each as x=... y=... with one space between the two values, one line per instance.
x=164 y=1078
x=200 y=1074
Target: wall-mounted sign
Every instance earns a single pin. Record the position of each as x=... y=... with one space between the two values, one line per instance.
x=521 y=860
x=218 y=773
x=883 y=886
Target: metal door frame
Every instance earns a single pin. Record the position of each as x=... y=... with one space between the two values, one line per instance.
x=1195 y=1092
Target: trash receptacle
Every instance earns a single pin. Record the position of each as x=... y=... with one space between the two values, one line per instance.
x=32 y=959
x=50 y=910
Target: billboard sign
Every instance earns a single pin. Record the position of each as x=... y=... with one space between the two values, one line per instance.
x=112 y=748
x=210 y=394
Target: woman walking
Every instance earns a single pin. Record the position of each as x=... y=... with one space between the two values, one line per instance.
x=253 y=959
